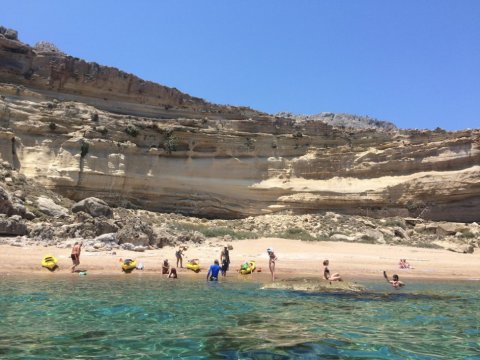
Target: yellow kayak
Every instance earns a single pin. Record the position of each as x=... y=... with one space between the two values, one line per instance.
x=129 y=265
x=248 y=268
x=194 y=266
x=49 y=262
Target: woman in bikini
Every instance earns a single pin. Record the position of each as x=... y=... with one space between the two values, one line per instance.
x=327 y=275
x=271 y=262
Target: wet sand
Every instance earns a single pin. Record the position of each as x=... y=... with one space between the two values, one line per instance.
x=295 y=259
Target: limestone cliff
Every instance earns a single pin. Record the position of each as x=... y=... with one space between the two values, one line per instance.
x=87 y=130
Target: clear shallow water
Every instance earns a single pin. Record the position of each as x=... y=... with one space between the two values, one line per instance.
x=144 y=317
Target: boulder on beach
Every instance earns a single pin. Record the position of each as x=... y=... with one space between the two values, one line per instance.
x=12 y=226
x=50 y=208
x=136 y=232
x=93 y=206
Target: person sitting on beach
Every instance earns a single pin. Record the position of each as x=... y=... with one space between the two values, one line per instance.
x=327 y=275
x=271 y=262
x=173 y=273
x=179 y=256
x=403 y=264
x=396 y=283
x=76 y=250
x=165 y=267
x=213 y=271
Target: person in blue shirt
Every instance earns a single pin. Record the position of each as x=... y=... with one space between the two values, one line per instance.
x=213 y=271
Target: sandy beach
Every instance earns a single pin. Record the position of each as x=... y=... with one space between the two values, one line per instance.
x=295 y=259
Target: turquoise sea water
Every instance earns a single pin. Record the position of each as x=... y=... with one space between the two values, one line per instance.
x=145 y=317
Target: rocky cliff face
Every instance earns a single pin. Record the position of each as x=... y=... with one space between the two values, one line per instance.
x=87 y=130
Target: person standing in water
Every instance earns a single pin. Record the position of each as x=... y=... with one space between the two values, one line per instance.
x=396 y=283
x=213 y=271
x=271 y=262
x=76 y=250
x=225 y=260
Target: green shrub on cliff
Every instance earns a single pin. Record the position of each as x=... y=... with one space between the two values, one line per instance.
x=131 y=130
x=170 y=143
x=296 y=233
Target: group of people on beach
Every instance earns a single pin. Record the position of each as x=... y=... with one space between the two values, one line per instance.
x=167 y=270
x=216 y=268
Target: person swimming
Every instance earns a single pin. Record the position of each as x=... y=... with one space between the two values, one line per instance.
x=395 y=282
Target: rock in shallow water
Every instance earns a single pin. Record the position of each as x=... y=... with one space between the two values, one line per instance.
x=314 y=285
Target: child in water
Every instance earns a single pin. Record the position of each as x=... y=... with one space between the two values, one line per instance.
x=396 y=283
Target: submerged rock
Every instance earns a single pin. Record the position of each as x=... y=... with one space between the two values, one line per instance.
x=314 y=285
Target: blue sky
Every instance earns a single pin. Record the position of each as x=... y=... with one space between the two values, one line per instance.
x=413 y=62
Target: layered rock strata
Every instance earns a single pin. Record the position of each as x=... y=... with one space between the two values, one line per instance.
x=86 y=130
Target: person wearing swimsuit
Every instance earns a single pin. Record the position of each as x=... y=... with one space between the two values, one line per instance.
x=327 y=275
x=271 y=262
x=225 y=260
x=173 y=273
x=76 y=250
x=396 y=283
x=165 y=267
x=179 y=256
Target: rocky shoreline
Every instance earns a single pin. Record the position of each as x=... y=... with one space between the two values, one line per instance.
x=36 y=216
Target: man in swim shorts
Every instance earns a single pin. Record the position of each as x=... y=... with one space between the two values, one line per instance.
x=179 y=256
x=213 y=271
x=225 y=259
x=76 y=249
